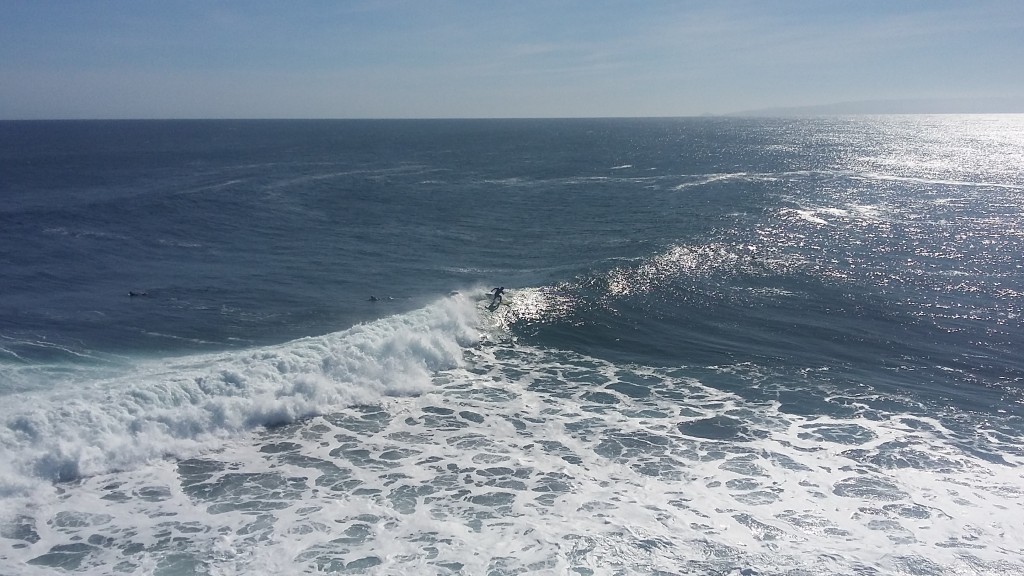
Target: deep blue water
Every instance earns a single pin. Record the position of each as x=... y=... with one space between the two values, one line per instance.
x=820 y=281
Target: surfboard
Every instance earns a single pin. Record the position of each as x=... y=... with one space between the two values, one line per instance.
x=487 y=303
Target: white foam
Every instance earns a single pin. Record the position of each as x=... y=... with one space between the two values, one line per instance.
x=937 y=181
x=701 y=180
x=186 y=405
x=526 y=460
x=809 y=215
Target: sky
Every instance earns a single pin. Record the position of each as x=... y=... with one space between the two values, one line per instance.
x=93 y=59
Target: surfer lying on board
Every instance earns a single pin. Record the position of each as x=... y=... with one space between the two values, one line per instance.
x=496 y=300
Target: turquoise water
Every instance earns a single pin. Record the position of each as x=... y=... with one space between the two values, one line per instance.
x=727 y=346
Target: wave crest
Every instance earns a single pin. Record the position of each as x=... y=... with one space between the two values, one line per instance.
x=187 y=405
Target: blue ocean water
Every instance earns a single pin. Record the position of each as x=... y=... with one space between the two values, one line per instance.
x=727 y=346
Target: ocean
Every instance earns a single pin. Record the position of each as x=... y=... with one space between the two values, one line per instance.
x=729 y=346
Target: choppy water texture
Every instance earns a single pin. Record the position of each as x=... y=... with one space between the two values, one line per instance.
x=727 y=346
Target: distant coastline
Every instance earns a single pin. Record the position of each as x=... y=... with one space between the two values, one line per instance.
x=906 y=106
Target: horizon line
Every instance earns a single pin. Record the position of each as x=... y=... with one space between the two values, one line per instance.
x=794 y=112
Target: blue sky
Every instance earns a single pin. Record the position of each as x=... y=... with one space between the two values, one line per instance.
x=496 y=58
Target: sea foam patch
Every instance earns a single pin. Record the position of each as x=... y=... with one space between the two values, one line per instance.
x=183 y=406
x=524 y=459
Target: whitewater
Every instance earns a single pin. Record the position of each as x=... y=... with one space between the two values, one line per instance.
x=727 y=346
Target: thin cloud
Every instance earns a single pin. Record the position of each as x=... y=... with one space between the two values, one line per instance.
x=452 y=58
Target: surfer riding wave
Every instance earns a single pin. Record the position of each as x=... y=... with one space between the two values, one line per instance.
x=496 y=299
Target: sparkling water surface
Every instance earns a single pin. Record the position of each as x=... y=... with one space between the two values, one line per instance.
x=727 y=346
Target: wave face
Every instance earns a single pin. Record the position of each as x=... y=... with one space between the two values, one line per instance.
x=185 y=406
x=726 y=346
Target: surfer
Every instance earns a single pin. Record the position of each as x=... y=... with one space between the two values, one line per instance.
x=496 y=299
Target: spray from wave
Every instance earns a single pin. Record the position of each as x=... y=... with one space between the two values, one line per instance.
x=188 y=405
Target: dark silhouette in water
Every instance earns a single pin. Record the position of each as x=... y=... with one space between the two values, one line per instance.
x=496 y=300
